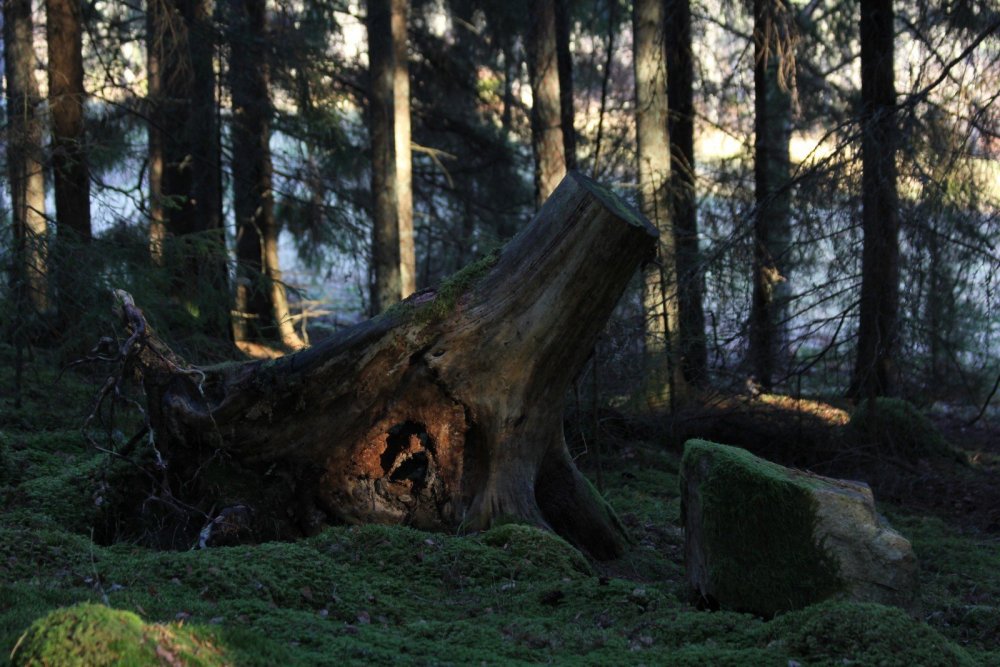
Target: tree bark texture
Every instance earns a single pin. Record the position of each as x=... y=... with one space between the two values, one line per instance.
x=772 y=214
x=877 y=328
x=185 y=142
x=404 y=155
x=664 y=379
x=546 y=110
x=684 y=211
x=261 y=301
x=445 y=412
x=386 y=285
x=25 y=163
x=64 y=33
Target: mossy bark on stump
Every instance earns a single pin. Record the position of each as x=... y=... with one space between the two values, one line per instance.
x=441 y=418
x=763 y=538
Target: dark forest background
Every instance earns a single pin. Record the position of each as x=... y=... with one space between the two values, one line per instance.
x=824 y=175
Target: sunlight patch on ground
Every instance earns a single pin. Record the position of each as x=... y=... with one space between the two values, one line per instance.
x=825 y=411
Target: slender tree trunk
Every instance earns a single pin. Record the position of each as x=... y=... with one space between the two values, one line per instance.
x=939 y=325
x=260 y=294
x=203 y=137
x=444 y=413
x=24 y=157
x=203 y=134
x=64 y=33
x=609 y=53
x=185 y=151
x=565 y=59
x=663 y=378
x=386 y=261
x=680 y=72
x=773 y=58
x=155 y=24
x=546 y=120
x=510 y=70
x=877 y=330
x=404 y=156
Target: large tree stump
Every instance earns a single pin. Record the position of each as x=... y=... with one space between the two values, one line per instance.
x=445 y=412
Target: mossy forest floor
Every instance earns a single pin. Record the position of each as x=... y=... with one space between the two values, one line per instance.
x=381 y=595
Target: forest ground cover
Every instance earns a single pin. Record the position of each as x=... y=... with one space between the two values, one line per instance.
x=513 y=594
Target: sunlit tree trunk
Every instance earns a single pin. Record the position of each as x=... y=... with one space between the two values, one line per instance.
x=184 y=130
x=404 y=156
x=664 y=380
x=877 y=329
x=564 y=56
x=546 y=110
x=386 y=285
x=773 y=68
x=683 y=204
x=24 y=156
x=261 y=301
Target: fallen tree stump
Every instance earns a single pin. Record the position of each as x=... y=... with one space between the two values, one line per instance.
x=445 y=412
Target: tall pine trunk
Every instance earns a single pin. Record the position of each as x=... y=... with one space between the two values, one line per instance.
x=683 y=203
x=773 y=64
x=187 y=236
x=64 y=34
x=546 y=110
x=663 y=378
x=404 y=156
x=877 y=329
x=386 y=285
x=24 y=158
x=260 y=294
x=156 y=211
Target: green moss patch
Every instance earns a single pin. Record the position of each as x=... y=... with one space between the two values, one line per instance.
x=960 y=580
x=457 y=284
x=842 y=633
x=897 y=428
x=393 y=595
x=757 y=530
x=92 y=635
x=539 y=547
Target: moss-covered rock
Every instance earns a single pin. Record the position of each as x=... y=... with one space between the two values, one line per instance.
x=899 y=429
x=763 y=538
x=92 y=635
